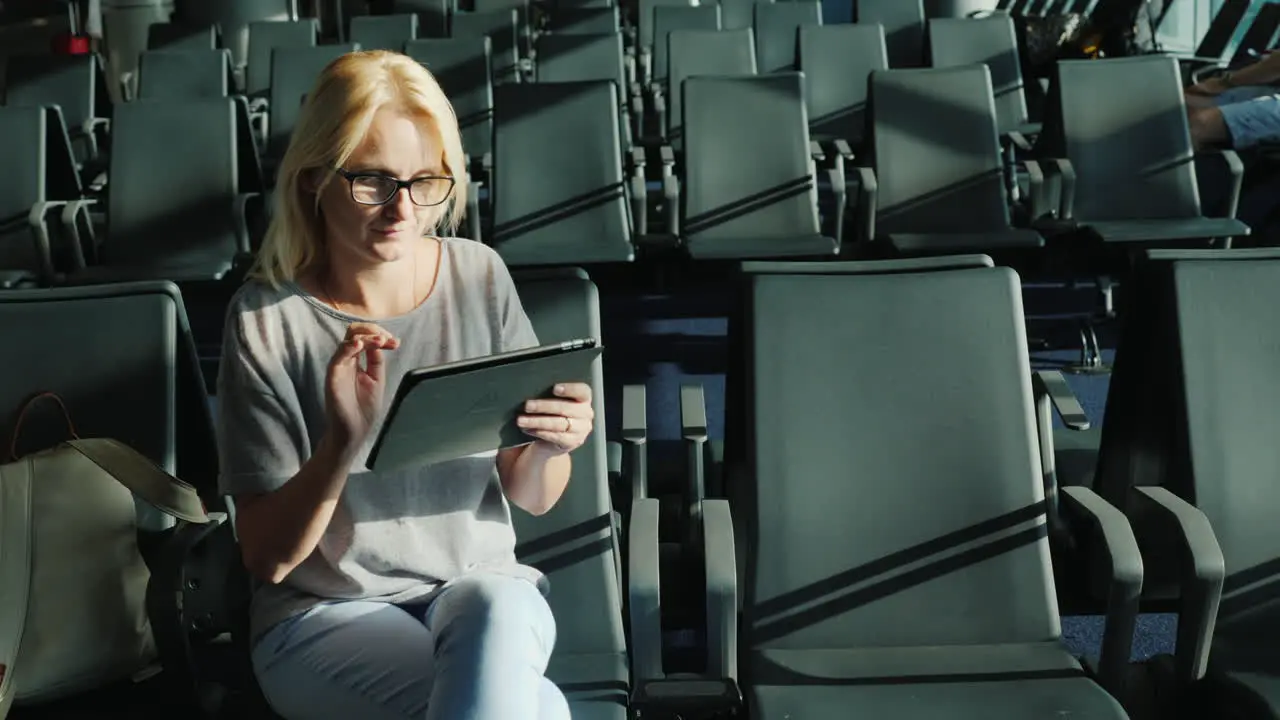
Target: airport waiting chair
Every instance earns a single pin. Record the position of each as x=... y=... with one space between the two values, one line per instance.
x=502 y=27
x=737 y=14
x=750 y=175
x=879 y=580
x=588 y=21
x=1119 y=126
x=586 y=211
x=40 y=191
x=183 y=36
x=578 y=544
x=694 y=53
x=829 y=55
x=123 y=360
x=185 y=74
x=174 y=75
x=264 y=38
x=940 y=187
x=384 y=32
x=1190 y=460
x=776 y=26
x=525 y=32
x=641 y=44
x=433 y=15
x=582 y=57
x=74 y=83
x=992 y=41
x=175 y=216
x=293 y=74
x=904 y=25
x=462 y=66
x=667 y=18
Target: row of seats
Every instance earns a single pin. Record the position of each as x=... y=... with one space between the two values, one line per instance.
x=1087 y=170
x=875 y=578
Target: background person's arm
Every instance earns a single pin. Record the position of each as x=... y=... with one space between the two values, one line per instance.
x=1263 y=72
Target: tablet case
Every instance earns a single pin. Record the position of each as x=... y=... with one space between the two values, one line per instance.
x=470 y=412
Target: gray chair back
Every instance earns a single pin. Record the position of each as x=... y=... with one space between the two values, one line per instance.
x=678 y=17
x=462 y=67
x=184 y=74
x=264 y=38
x=903 y=23
x=1123 y=125
x=122 y=359
x=575 y=544
x=502 y=27
x=776 y=25
x=174 y=210
x=936 y=177
x=829 y=56
x=294 y=71
x=747 y=166
x=384 y=32
x=855 y=538
x=581 y=218
x=691 y=53
x=993 y=42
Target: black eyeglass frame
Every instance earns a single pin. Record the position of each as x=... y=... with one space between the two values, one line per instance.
x=351 y=178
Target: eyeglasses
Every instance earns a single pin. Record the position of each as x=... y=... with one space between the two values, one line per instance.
x=375 y=189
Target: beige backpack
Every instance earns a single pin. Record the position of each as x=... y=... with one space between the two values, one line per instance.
x=73 y=583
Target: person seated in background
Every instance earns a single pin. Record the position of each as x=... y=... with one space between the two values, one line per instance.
x=383 y=595
x=1238 y=108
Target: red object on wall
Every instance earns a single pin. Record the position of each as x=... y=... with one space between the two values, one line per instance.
x=71 y=45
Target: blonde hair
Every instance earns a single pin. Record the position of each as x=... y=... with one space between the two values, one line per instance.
x=333 y=122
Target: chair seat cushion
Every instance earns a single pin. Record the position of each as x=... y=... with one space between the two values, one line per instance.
x=1025 y=681
x=755 y=248
x=1156 y=230
x=953 y=243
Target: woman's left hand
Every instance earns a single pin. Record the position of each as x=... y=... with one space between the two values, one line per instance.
x=563 y=422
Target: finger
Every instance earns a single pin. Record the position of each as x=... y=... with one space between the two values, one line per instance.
x=554 y=423
x=371 y=331
x=374 y=365
x=348 y=350
x=560 y=440
x=573 y=391
x=563 y=408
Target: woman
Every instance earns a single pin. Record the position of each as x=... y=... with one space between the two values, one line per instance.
x=382 y=595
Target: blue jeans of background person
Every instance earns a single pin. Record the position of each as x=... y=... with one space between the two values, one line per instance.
x=1252 y=114
x=478 y=651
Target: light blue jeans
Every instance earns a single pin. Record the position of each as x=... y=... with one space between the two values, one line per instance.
x=1252 y=114
x=478 y=651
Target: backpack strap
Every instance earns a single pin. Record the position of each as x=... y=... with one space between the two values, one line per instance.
x=144 y=478
x=15 y=571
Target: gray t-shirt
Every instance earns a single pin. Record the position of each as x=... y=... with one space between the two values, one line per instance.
x=395 y=536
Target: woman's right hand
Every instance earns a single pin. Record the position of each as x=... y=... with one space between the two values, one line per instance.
x=353 y=394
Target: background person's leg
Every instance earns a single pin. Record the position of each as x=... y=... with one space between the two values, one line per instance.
x=1207 y=127
x=366 y=660
x=493 y=635
x=1253 y=122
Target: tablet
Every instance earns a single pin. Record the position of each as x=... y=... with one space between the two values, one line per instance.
x=467 y=407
